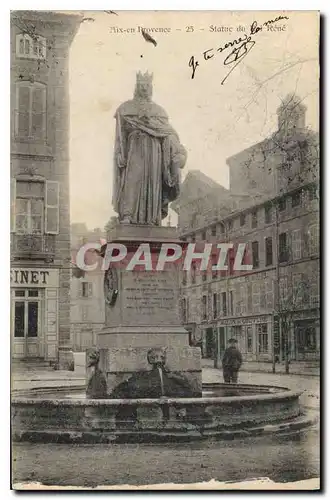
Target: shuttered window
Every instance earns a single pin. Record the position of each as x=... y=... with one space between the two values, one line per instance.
x=52 y=221
x=30 y=110
x=30 y=47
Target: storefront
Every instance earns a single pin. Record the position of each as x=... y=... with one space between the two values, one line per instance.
x=34 y=313
x=306 y=339
x=254 y=336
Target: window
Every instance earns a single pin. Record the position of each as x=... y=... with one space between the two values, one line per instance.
x=249 y=339
x=262 y=338
x=26 y=313
x=30 y=110
x=184 y=310
x=29 y=216
x=19 y=321
x=283 y=249
x=214 y=231
x=32 y=317
x=254 y=216
x=255 y=254
x=238 y=301
x=249 y=297
x=243 y=299
x=296 y=199
x=29 y=207
x=214 y=263
x=282 y=204
x=269 y=251
x=313 y=193
x=242 y=220
x=29 y=47
x=215 y=305
x=193 y=239
x=297 y=289
x=231 y=302
x=268 y=214
x=296 y=244
x=262 y=294
x=237 y=331
x=86 y=289
x=193 y=273
x=313 y=240
x=315 y=291
x=269 y=293
x=305 y=336
x=204 y=307
x=204 y=236
x=222 y=228
x=283 y=289
x=224 y=303
x=230 y=225
x=256 y=297
x=34 y=207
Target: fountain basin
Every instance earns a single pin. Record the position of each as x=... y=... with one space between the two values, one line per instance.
x=225 y=411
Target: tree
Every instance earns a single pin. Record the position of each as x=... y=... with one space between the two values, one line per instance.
x=111 y=224
x=293 y=297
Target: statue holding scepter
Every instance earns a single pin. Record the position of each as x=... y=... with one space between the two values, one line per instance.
x=148 y=157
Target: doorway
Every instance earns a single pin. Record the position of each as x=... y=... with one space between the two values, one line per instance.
x=27 y=338
x=209 y=343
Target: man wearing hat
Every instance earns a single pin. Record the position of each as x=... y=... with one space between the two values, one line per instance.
x=231 y=362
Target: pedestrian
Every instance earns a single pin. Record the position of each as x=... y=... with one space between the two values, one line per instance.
x=231 y=362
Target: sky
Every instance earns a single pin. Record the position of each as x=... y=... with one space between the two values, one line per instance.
x=214 y=121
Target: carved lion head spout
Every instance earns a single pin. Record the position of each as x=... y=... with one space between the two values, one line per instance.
x=157 y=357
x=93 y=357
x=143 y=87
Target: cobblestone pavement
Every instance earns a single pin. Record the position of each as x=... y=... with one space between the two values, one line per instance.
x=91 y=465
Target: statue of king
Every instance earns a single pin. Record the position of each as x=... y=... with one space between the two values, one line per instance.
x=148 y=157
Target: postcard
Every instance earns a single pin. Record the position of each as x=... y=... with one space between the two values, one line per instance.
x=165 y=254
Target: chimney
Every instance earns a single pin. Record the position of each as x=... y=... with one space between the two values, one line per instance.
x=291 y=114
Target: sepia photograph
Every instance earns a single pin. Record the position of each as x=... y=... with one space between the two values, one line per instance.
x=165 y=250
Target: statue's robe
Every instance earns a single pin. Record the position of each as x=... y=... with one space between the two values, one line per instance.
x=147 y=159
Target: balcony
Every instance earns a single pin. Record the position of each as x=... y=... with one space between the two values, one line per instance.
x=33 y=246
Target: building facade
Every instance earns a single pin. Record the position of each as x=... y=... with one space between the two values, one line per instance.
x=40 y=216
x=87 y=295
x=272 y=310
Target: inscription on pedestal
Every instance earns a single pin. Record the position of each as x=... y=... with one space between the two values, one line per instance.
x=151 y=296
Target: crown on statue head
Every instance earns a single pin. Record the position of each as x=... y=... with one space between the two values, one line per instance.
x=144 y=78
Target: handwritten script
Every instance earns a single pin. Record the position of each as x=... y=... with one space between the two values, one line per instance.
x=240 y=48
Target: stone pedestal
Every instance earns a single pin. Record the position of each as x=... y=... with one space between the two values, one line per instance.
x=145 y=313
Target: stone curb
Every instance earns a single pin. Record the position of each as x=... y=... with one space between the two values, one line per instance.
x=288 y=429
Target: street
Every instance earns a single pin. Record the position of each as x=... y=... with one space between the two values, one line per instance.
x=91 y=465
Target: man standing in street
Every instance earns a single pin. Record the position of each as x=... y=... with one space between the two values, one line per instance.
x=231 y=362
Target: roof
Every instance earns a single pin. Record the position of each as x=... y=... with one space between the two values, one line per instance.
x=197 y=185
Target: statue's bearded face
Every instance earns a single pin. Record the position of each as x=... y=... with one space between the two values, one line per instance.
x=144 y=89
